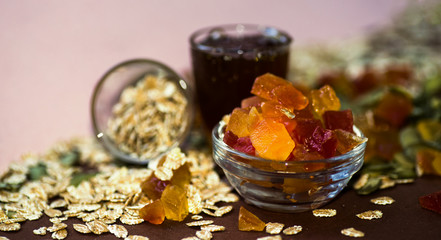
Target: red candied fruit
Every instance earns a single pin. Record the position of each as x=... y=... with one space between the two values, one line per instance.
x=431 y=202
x=339 y=120
x=305 y=128
x=394 y=108
x=322 y=141
x=242 y=144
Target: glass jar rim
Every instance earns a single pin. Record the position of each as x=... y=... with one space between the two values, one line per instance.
x=265 y=30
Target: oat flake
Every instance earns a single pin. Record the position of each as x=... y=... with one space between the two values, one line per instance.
x=352 y=232
x=324 y=212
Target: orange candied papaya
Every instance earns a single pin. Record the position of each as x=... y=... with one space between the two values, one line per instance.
x=264 y=85
x=249 y=221
x=153 y=187
x=238 y=123
x=153 y=212
x=271 y=140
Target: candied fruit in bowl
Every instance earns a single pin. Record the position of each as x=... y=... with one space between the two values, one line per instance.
x=288 y=150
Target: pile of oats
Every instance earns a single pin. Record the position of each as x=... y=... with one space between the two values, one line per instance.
x=78 y=179
x=148 y=118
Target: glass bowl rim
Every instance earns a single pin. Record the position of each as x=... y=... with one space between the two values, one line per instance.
x=102 y=136
x=217 y=141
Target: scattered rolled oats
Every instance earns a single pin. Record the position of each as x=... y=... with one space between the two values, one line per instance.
x=97 y=227
x=276 y=237
x=324 y=212
x=382 y=200
x=81 y=228
x=148 y=117
x=60 y=234
x=213 y=228
x=56 y=227
x=274 y=228
x=361 y=181
x=9 y=227
x=118 y=230
x=191 y=238
x=199 y=223
x=204 y=234
x=352 y=232
x=223 y=210
x=196 y=217
x=136 y=237
x=50 y=212
x=40 y=231
x=293 y=230
x=369 y=215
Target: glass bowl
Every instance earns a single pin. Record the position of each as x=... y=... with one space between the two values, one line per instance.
x=282 y=186
x=108 y=93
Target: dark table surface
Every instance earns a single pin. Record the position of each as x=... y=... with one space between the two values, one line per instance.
x=404 y=219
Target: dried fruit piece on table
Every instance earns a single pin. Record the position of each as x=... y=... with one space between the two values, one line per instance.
x=271 y=140
x=264 y=84
x=174 y=200
x=346 y=141
x=238 y=123
x=181 y=176
x=324 y=99
x=153 y=187
x=428 y=161
x=431 y=202
x=249 y=221
x=394 y=108
x=153 y=212
x=339 y=120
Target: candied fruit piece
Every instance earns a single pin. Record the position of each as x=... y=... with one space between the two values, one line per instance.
x=253 y=101
x=271 y=140
x=181 y=176
x=301 y=152
x=322 y=141
x=264 y=84
x=240 y=144
x=305 y=128
x=289 y=97
x=324 y=99
x=431 y=202
x=238 y=123
x=429 y=129
x=153 y=187
x=429 y=161
x=394 y=108
x=153 y=212
x=249 y=221
x=383 y=143
x=174 y=200
x=366 y=81
x=254 y=116
x=244 y=145
x=339 y=120
x=230 y=138
x=304 y=113
x=346 y=141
